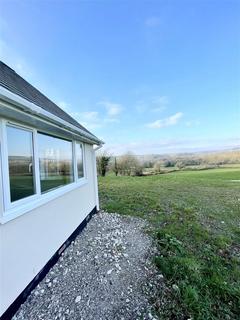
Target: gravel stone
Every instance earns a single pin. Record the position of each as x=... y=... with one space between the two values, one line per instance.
x=105 y=274
x=78 y=298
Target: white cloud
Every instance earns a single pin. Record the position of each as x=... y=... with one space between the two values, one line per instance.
x=91 y=115
x=94 y=119
x=169 y=121
x=89 y=119
x=113 y=109
x=152 y=22
x=172 y=146
x=153 y=104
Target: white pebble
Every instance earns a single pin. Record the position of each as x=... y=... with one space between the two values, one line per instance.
x=78 y=298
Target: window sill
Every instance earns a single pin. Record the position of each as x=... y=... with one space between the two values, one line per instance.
x=40 y=200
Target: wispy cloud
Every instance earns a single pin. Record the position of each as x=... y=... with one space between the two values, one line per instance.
x=153 y=104
x=166 y=122
x=94 y=119
x=192 y=123
x=152 y=22
x=171 y=146
x=91 y=115
x=160 y=103
x=89 y=119
x=113 y=109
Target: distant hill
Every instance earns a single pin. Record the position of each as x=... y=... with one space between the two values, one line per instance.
x=210 y=157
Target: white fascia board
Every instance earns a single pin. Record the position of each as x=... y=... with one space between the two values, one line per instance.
x=98 y=147
x=32 y=108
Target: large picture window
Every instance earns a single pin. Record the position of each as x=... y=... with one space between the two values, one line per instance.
x=79 y=156
x=36 y=167
x=55 y=162
x=20 y=163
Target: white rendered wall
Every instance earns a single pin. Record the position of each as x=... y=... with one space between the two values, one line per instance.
x=29 y=241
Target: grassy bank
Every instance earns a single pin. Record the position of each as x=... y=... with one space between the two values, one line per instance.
x=195 y=220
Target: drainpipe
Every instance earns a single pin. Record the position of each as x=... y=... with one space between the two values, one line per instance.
x=95 y=176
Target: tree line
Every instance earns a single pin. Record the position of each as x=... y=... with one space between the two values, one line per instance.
x=126 y=165
x=132 y=165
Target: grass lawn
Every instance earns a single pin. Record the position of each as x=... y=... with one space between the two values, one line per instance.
x=195 y=219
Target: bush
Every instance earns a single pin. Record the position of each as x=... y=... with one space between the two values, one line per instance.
x=168 y=163
x=103 y=159
x=137 y=171
x=180 y=164
x=128 y=165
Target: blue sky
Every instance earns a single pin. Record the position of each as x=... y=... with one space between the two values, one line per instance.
x=147 y=76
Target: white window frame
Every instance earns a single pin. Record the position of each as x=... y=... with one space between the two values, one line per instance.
x=14 y=209
x=6 y=177
x=83 y=159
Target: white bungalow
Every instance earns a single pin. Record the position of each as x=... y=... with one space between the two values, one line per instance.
x=48 y=185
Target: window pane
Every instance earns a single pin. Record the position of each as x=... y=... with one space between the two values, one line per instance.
x=55 y=161
x=79 y=155
x=20 y=162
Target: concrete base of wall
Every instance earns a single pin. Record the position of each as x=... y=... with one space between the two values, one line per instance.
x=9 y=313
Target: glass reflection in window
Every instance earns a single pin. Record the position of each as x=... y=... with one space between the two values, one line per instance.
x=55 y=162
x=79 y=155
x=20 y=163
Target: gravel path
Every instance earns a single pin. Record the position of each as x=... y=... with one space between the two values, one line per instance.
x=105 y=274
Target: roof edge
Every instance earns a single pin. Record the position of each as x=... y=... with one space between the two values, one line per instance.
x=32 y=108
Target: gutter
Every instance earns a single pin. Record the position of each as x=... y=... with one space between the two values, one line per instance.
x=95 y=176
x=29 y=107
x=98 y=147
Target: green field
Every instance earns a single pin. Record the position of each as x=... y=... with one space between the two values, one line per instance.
x=195 y=219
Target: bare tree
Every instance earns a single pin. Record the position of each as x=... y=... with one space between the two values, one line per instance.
x=157 y=167
x=129 y=165
x=115 y=167
x=180 y=164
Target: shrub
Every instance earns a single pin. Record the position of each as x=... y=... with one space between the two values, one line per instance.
x=180 y=164
x=103 y=159
x=168 y=163
x=128 y=165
